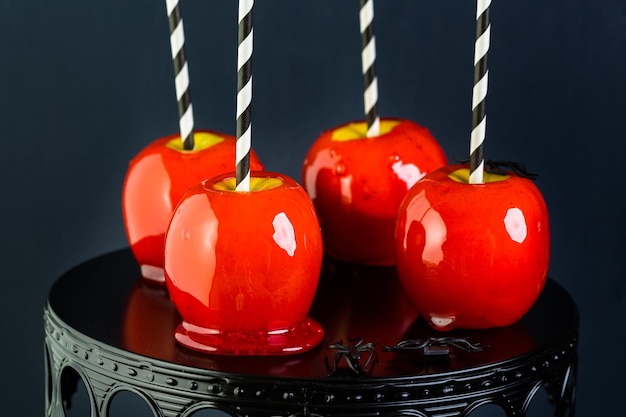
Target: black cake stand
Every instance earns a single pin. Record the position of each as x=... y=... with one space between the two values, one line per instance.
x=104 y=325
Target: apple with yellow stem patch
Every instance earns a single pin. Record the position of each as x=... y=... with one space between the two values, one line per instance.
x=472 y=255
x=156 y=180
x=242 y=267
x=356 y=184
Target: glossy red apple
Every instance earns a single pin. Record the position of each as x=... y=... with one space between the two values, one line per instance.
x=472 y=255
x=242 y=267
x=357 y=183
x=156 y=180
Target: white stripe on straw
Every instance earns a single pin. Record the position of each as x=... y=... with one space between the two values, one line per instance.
x=181 y=71
x=368 y=65
x=244 y=96
x=479 y=92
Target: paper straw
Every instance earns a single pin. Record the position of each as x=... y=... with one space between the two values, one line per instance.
x=479 y=93
x=181 y=71
x=244 y=95
x=368 y=63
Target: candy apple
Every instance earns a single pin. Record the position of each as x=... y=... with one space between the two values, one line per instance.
x=472 y=255
x=242 y=267
x=357 y=183
x=156 y=180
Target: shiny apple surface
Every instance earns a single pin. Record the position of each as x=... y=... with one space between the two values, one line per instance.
x=156 y=180
x=357 y=183
x=242 y=267
x=472 y=255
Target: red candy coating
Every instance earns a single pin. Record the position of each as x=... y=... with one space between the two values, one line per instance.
x=156 y=180
x=357 y=184
x=242 y=267
x=472 y=255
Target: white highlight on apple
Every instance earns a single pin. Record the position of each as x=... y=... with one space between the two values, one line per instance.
x=435 y=229
x=345 y=183
x=153 y=273
x=309 y=183
x=409 y=173
x=441 y=321
x=199 y=330
x=515 y=225
x=284 y=234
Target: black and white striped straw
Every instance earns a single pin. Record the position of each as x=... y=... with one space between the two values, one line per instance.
x=181 y=72
x=479 y=93
x=244 y=95
x=368 y=63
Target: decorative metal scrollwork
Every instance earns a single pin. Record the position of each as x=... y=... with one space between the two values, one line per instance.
x=435 y=346
x=353 y=355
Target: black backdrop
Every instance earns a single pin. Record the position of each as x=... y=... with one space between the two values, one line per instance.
x=84 y=85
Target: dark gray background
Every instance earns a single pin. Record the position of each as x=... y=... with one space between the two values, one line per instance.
x=84 y=85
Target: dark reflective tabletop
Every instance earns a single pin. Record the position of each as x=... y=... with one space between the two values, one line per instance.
x=106 y=300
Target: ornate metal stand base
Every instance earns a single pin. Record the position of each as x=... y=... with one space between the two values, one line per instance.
x=92 y=343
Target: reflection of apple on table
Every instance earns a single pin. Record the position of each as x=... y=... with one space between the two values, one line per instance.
x=242 y=267
x=149 y=320
x=156 y=180
x=356 y=184
x=472 y=255
x=359 y=300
